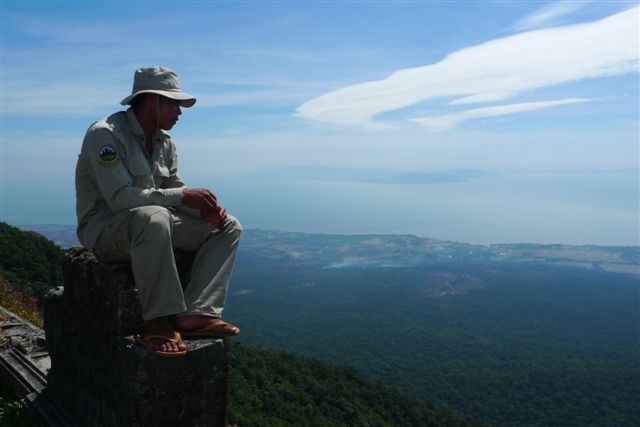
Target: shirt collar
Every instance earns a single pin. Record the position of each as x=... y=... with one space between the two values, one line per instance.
x=135 y=125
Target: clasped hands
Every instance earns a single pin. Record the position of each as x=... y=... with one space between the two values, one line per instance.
x=205 y=201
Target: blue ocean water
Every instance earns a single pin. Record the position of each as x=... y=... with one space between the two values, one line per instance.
x=576 y=207
x=583 y=207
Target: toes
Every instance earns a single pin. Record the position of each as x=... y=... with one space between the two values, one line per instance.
x=170 y=347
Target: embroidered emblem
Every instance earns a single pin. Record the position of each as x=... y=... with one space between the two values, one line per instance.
x=108 y=156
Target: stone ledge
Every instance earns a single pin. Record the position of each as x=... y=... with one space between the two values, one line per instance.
x=24 y=364
x=100 y=375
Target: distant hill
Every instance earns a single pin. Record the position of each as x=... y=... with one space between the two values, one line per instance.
x=62 y=235
x=336 y=251
x=267 y=387
x=407 y=251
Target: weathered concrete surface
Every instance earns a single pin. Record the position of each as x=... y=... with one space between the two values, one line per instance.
x=102 y=377
x=21 y=340
x=24 y=363
x=25 y=337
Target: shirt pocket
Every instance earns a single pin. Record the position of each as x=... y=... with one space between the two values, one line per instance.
x=140 y=172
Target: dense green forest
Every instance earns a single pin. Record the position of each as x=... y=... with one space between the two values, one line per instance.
x=266 y=387
x=548 y=337
x=29 y=261
x=512 y=343
x=282 y=389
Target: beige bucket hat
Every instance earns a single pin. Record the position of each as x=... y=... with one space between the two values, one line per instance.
x=160 y=80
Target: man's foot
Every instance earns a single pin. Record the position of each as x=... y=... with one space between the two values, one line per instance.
x=191 y=325
x=159 y=336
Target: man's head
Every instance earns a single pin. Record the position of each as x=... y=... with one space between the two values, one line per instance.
x=157 y=97
x=158 y=109
x=161 y=81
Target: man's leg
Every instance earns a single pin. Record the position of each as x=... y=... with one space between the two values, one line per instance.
x=206 y=292
x=144 y=235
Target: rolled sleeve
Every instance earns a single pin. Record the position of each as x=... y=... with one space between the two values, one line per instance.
x=132 y=197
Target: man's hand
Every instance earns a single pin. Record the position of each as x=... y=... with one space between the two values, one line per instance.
x=199 y=198
x=216 y=217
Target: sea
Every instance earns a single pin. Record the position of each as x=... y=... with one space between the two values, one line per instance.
x=569 y=207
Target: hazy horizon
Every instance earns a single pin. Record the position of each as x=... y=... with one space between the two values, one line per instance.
x=479 y=122
x=480 y=207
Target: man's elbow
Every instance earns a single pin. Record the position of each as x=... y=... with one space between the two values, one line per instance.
x=122 y=201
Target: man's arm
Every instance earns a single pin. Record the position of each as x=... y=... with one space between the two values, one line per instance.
x=195 y=201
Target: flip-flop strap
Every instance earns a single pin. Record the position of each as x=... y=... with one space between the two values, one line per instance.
x=218 y=322
x=175 y=339
x=221 y=323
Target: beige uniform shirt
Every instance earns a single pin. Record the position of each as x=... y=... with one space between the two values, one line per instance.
x=114 y=174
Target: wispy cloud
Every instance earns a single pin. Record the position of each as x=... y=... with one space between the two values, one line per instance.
x=549 y=14
x=448 y=121
x=243 y=68
x=492 y=71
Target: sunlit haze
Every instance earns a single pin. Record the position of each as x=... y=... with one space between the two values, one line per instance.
x=482 y=122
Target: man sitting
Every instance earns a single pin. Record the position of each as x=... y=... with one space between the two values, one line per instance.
x=132 y=205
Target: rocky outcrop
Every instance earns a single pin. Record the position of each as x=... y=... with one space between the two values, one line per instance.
x=101 y=377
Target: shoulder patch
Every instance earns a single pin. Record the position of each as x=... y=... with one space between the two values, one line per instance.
x=108 y=156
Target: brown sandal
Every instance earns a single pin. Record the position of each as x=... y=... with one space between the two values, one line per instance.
x=145 y=340
x=214 y=329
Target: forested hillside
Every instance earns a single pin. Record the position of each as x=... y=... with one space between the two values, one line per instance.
x=267 y=387
x=281 y=389
x=29 y=261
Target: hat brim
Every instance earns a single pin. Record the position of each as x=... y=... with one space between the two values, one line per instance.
x=184 y=99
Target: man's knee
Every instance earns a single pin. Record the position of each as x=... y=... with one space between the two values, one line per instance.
x=153 y=220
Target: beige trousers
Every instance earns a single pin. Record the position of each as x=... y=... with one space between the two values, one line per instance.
x=146 y=236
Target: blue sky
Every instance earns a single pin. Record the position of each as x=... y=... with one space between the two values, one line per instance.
x=404 y=87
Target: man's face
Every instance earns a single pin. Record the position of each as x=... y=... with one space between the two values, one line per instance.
x=169 y=112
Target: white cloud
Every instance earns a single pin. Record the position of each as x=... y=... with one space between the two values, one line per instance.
x=448 y=121
x=492 y=71
x=548 y=14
